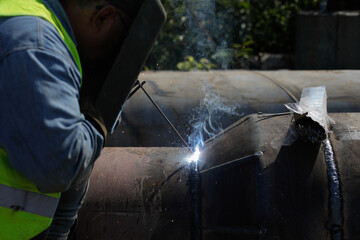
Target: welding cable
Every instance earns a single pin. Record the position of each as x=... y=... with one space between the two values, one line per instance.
x=336 y=217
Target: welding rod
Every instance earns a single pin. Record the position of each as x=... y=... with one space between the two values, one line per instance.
x=163 y=114
x=137 y=84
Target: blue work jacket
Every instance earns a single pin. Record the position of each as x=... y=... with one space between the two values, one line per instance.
x=42 y=130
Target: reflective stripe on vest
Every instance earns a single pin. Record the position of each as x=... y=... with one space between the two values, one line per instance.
x=24 y=211
x=36 y=8
x=31 y=202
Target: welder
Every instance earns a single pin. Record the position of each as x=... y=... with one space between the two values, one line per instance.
x=48 y=143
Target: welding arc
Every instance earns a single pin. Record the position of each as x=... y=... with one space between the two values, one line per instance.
x=162 y=113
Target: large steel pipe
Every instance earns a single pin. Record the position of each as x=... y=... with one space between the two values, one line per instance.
x=259 y=185
x=138 y=193
x=179 y=93
x=255 y=184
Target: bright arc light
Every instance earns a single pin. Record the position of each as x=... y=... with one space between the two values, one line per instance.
x=195 y=156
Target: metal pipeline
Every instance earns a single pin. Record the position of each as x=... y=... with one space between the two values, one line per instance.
x=138 y=193
x=279 y=192
x=179 y=93
x=271 y=190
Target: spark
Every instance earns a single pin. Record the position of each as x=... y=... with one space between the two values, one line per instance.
x=195 y=156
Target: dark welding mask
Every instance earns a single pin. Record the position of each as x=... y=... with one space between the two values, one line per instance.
x=130 y=60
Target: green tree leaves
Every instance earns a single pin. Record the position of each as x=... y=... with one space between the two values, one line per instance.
x=218 y=34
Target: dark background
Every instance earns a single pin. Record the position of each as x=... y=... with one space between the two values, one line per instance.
x=232 y=34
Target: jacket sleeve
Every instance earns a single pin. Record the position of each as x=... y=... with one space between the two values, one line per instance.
x=45 y=135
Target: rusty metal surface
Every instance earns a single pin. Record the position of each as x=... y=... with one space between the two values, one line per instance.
x=137 y=193
x=252 y=186
x=179 y=93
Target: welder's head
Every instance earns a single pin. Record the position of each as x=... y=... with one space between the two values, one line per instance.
x=100 y=27
x=130 y=7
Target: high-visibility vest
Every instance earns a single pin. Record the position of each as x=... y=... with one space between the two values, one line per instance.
x=24 y=211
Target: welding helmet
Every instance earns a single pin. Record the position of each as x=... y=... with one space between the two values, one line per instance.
x=130 y=7
x=149 y=17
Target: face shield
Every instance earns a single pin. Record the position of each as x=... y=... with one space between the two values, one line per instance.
x=129 y=62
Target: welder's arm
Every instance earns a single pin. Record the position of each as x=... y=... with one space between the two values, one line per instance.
x=47 y=138
x=98 y=124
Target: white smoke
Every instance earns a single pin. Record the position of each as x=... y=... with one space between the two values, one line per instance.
x=205 y=31
x=207 y=119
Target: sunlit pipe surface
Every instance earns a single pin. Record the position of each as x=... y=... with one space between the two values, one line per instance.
x=253 y=186
x=180 y=93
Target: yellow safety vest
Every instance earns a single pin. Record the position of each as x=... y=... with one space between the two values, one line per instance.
x=24 y=211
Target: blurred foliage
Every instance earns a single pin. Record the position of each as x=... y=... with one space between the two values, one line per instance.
x=191 y=64
x=221 y=34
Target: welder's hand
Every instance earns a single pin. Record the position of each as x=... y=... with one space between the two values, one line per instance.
x=99 y=125
x=88 y=109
